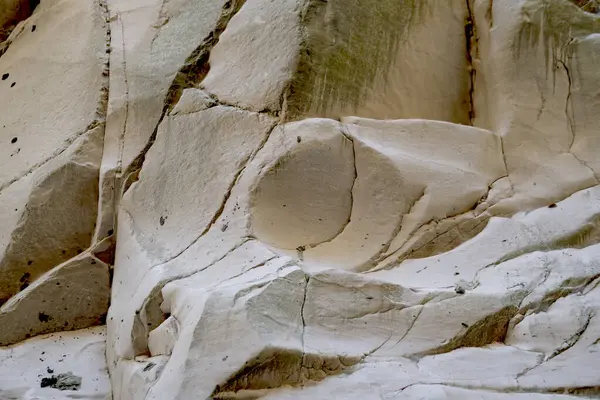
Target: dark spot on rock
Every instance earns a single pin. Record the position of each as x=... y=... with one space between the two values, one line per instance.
x=5 y=76
x=465 y=325
x=57 y=283
x=298 y=139
x=93 y=262
x=44 y=317
x=25 y=277
x=48 y=381
x=459 y=290
x=110 y=232
x=14 y=140
x=64 y=251
x=29 y=262
x=79 y=251
x=300 y=248
x=13 y=84
x=553 y=205
x=149 y=367
x=224 y=358
x=49 y=370
x=27 y=335
x=285 y=205
x=456 y=273
x=24 y=286
x=33 y=28
x=224 y=227
x=162 y=220
x=369 y=298
x=66 y=323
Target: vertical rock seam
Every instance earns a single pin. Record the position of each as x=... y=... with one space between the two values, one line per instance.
x=471 y=49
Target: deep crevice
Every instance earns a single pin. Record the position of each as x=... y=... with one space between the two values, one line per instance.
x=279 y=367
x=190 y=75
x=22 y=10
x=471 y=49
x=492 y=328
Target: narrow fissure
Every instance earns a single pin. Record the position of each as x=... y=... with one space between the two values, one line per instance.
x=471 y=47
x=192 y=73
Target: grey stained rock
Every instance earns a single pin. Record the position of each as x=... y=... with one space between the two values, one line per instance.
x=71 y=296
x=66 y=381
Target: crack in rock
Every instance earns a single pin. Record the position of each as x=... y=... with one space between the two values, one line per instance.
x=572 y=341
x=192 y=73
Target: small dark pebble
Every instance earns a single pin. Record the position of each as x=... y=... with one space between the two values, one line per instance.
x=13 y=84
x=553 y=205
x=44 y=317
x=465 y=325
x=49 y=381
x=149 y=367
x=13 y=140
x=5 y=76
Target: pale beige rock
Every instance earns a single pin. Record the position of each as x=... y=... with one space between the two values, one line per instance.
x=53 y=215
x=71 y=296
x=295 y=202
x=169 y=208
x=533 y=62
x=58 y=83
x=147 y=57
x=304 y=196
x=193 y=100
x=377 y=59
x=400 y=186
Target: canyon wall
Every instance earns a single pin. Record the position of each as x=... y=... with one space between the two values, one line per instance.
x=299 y=199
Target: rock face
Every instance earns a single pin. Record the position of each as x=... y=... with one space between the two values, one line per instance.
x=299 y=199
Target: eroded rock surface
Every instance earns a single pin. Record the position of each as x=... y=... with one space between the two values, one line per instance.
x=301 y=199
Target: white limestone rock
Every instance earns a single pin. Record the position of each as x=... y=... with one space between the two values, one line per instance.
x=190 y=169
x=55 y=86
x=153 y=46
x=535 y=72
x=23 y=366
x=296 y=203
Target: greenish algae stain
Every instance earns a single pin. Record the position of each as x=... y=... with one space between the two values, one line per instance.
x=347 y=44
